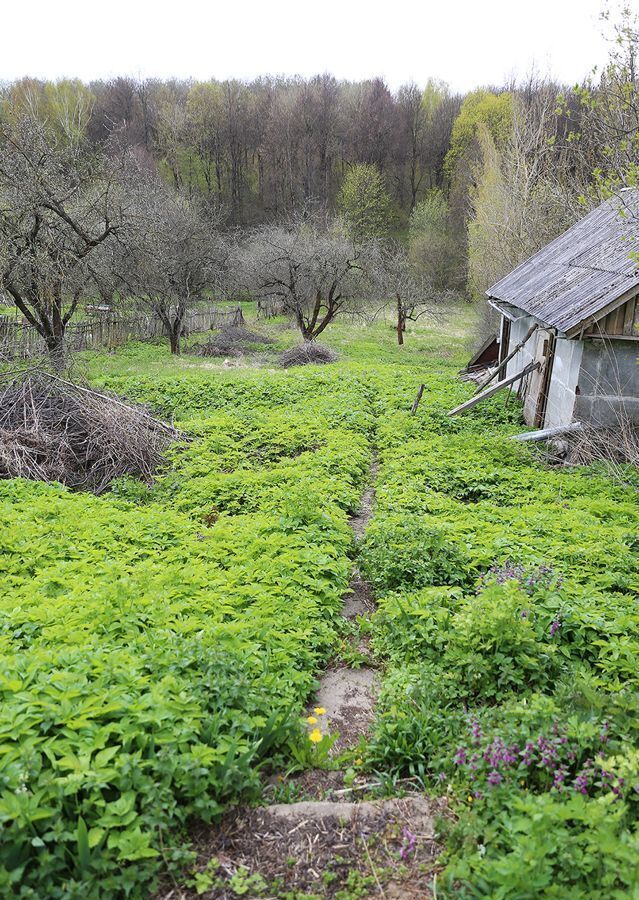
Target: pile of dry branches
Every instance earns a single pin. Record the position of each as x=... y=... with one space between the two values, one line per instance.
x=308 y=352
x=54 y=430
x=231 y=340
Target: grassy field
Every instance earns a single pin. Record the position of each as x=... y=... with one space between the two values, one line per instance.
x=159 y=643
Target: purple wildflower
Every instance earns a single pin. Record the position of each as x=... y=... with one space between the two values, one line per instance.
x=460 y=758
x=408 y=845
x=558 y=780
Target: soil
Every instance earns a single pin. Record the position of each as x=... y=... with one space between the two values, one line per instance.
x=359 y=601
x=378 y=848
x=348 y=696
x=359 y=522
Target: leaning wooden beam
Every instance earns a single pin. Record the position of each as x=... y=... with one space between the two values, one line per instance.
x=546 y=434
x=504 y=362
x=531 y=367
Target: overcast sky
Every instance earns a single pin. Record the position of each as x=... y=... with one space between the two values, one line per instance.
x=464 y=42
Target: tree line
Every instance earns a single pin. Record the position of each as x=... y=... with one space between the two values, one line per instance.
x=261 y=149
x=309 y=193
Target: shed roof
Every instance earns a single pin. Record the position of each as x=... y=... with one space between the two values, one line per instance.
x=584 y=273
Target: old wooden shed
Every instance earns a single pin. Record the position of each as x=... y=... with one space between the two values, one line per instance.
x=571 y=313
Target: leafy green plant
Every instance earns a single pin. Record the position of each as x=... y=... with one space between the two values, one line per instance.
x=158 y=644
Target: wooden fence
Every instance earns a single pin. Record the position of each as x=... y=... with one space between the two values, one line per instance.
x=21 y=341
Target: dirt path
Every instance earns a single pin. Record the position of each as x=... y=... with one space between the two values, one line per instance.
x=348 y=694
x=332 y=844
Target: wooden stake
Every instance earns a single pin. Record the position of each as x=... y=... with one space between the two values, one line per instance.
x=413 y=409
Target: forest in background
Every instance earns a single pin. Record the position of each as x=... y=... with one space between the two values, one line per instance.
x=466 y=186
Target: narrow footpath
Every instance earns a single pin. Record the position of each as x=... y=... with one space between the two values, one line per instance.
x=348 y=694
x=330 y=843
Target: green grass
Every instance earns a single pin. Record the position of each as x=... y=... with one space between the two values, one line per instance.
x=159 y=644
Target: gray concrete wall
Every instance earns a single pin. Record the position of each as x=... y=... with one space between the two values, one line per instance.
x=608 y=389
x=563 y=384
x=518 y=330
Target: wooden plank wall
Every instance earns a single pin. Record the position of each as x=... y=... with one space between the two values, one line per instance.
x=621 y=322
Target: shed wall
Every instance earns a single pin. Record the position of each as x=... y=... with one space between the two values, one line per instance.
x=608 y=382
x=623 y=321
x=563 y=384
x=518 y=329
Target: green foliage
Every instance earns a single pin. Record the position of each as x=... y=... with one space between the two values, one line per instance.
x=480 y=108
x=433 y=248
x=142 y=679
x=364 y=203
x=159 y=644
x=507 y=613
x=404 y=552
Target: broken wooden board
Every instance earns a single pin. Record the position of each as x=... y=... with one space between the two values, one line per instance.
x=531 y=367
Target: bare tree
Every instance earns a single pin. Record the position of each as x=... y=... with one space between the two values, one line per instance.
x=398 y=282
x=604 y=131
x=313 y=270
x=58 y=205
x=175 y=258
x=524 y=194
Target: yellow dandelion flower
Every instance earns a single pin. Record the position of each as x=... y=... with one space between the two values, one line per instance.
x=319 y=711
x=311 y=720
x=358 y=762
x=470 y=799
x=315 y=736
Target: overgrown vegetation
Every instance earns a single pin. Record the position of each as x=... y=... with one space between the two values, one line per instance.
x=161 y=636
x=507 y=598
x=159 y=642
x=143 y=681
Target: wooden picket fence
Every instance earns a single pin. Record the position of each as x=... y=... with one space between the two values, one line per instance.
x=21 y=341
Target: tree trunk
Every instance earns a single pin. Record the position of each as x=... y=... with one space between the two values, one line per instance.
x=174 y=340
x=55 y=349
x=401 y=322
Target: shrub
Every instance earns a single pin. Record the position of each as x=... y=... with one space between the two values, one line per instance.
x=305 y=354
x=405 y=552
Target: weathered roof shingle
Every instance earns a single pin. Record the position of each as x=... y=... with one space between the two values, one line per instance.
x=575 y=279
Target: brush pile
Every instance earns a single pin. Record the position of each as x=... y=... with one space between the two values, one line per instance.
x=231 y=340
x=54 y=430
x=307 y=353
